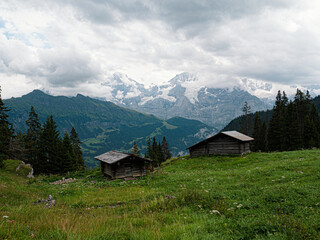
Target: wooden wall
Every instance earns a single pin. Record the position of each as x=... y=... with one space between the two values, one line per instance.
x=125 y=168
x=221 y=145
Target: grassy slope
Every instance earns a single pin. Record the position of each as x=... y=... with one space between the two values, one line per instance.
x=258 y=196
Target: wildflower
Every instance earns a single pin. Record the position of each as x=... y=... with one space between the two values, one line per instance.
x=198 y=180
x=5 y=216
x=206 y=190
x=229 y=209
x=215 y=211
x=283 y=176
x=239 y=206
x=235 y=203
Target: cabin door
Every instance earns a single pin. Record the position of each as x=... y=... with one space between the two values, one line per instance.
x=128 y=170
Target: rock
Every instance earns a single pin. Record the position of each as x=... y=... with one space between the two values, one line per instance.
x=50 y=202
x=63 y=181
x=22 y=166
x=30 y=175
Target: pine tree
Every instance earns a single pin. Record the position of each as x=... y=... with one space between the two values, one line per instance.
x=154 y=152
x=293 y=140
x=263 y=138
x=246 y=120
x=69 y=161
x=149 y=149
x=302 y=103
x=135 y=149
x=76 y=144
x=256 y=133
x=165 y=149
x=276 y=135
x=49 y=149
x=6 y=131
x=32 y=138
x=160 y=154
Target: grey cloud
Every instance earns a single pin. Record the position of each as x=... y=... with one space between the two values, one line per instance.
x=67 y=68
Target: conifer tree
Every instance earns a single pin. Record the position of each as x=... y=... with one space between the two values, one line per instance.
x=165 y=149
x=160 y=154
x=149 y=149
x=69 y=161
x=246 y=120
x=76 y=144
x=50 y=148
x=292 y=129
x=154 y=151
x=276 y=137
x=135 y=149
x=256 y=132
x=6 y=131
x=263 y=138
x=32 y=138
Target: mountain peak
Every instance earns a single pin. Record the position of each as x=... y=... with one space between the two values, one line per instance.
x=184 y=77
x=37 y=93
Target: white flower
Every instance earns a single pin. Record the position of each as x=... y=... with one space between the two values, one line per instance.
x=215 y=211
x=239 y=206
x=5 y=216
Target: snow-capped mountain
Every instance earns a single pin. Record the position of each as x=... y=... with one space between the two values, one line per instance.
x=183 y=96
x=268 y=91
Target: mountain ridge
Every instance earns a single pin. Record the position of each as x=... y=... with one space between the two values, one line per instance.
x=104 y=126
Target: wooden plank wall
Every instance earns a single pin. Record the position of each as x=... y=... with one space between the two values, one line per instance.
x=221 y=145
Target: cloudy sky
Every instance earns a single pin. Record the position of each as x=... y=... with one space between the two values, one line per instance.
x=71 y=46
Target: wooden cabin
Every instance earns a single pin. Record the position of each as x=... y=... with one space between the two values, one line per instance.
x=230 y=142
x=117 y=165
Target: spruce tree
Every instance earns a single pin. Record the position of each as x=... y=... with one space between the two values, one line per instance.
x=149 y=149
x=154 y=152
x=292 y=129
x=257 y=145
x=165 y=149
x=246 y=120
x=69 y=161
x=276 y=135
x=76 y=144
x=263 y=138
x=49 y=149
x=160 y=154
x=32 y=138
x=135 y=149
x=6 y=131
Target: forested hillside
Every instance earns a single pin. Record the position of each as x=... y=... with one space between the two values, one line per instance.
x=103 y=126
x=265 y=116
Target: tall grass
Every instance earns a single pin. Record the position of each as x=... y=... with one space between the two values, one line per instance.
x=257 y=196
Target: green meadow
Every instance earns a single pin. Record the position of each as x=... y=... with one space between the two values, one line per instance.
x=255 y=196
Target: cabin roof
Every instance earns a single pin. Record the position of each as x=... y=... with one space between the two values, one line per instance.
x=116 y=156
x=234 y=134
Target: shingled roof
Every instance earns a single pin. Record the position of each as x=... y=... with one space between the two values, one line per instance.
x=234 y=134
x=115 y=156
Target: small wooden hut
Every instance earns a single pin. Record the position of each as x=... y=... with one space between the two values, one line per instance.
x=229 y=142
x=117 y=165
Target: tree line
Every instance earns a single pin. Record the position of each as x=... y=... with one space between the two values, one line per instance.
x=294 y=125
x=41 y=146
x=158 y=152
